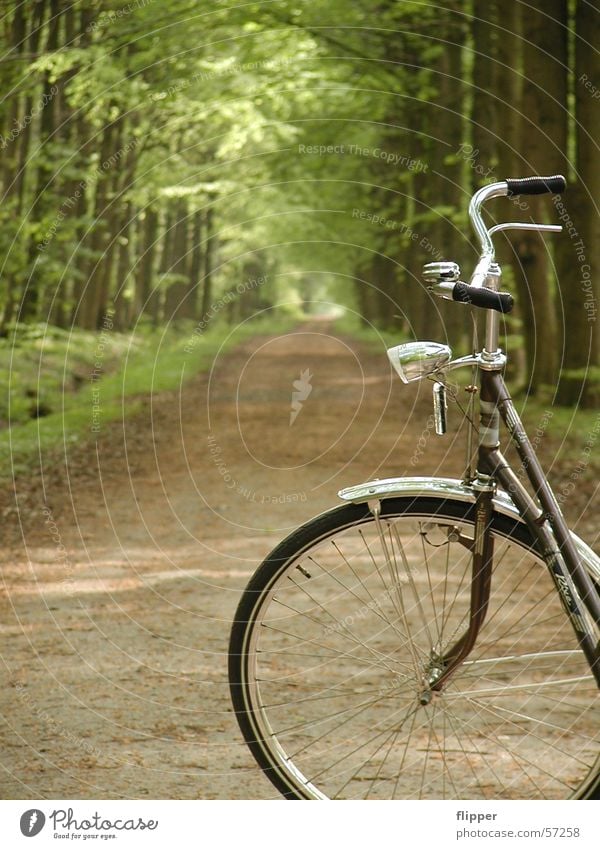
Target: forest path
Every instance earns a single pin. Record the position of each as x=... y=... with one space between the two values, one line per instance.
x=115 y=614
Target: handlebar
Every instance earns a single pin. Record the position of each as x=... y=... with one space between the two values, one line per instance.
x=482 y=289
x=478 y=296
x=508 y=188
x=536 y=185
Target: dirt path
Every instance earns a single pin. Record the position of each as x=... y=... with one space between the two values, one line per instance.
x=115 y=615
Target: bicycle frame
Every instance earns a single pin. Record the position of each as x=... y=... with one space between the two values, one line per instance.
x=546 y=522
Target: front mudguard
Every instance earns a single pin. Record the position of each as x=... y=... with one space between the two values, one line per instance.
x=454 y=490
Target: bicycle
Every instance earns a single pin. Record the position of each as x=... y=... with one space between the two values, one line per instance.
x=431 y=638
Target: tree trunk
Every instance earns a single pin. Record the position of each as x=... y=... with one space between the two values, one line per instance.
x=76 y=189
x=484 y=127
x=33 y=288
x=10 y=78
x=544 y=134
x=121 y=301
x=25 y=137
x=195 y=272
x=447 y=236
x=144 y=279
x=209 y=249
x=364 y=300
x=23 y=35
x=509 y=88
x=175 y=303
x=156 y=298
x=59 y=296
x=578 y=260
x=99 y=245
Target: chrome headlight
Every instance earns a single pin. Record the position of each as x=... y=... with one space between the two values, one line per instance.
x=415 y=360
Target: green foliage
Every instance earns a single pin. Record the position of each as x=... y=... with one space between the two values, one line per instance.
x=319 y=139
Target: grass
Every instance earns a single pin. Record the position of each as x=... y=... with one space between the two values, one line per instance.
x=573 y=432
x=61 y=387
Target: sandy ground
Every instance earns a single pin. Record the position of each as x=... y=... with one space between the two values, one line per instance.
x=124 y=560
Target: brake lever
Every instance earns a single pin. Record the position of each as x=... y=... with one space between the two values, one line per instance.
x=520 y=225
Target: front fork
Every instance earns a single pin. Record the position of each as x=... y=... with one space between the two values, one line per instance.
x=482 y=548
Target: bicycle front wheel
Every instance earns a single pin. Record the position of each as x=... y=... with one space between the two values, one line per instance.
x=347 y=618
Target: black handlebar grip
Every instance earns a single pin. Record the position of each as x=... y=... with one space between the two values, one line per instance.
x=537 y=185
x=486 y=298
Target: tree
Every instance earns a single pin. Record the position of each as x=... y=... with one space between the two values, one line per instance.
x=578 y=259
x=186 y=145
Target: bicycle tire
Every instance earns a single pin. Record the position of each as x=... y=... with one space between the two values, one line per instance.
x=323 y=665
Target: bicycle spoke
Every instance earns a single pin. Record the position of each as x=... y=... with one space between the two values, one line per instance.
x=361 y=708
x=345 y=655
x=411 y=582
x=510 y=689
x=504 y=713
x=359 y=747
x=330 y=695
x=399 y=597
x=401 y=766
x=342 y=625
x=464 y=732
x=373 y=606
x=518 y=757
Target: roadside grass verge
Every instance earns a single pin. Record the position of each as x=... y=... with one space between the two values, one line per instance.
x=60 y=387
